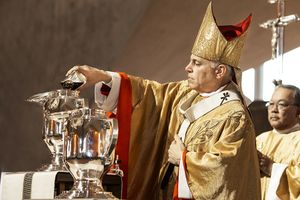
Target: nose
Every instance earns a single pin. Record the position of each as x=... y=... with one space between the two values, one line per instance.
x=273 y=108
x=188 y=68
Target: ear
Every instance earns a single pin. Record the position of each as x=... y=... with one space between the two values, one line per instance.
x=220 y=71
x=298 y=114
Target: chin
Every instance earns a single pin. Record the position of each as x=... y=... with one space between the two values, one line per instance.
x=278 y=127
x=275 y=125
x=191 y=86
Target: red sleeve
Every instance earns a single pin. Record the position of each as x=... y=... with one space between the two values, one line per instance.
x=124 y=110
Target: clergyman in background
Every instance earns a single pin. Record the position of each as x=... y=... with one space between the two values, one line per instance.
x=279 y=149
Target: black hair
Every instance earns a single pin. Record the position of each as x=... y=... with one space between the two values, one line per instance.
x=296 y=91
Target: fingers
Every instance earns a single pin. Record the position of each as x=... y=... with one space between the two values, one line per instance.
x=171 y=153
x=79 y=68
x=262 y=165
x=72 y=70
x=260 y=157
x=177 y=138
x=179 y=141
x=265 y=164
x=262 y=162
x=175 y=150
x=172 y=149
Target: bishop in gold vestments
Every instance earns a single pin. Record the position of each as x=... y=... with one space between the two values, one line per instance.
x=221 y=156
x=220 y=160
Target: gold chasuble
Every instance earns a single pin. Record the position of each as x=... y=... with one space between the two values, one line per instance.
x=283 y=149
x=221 y=159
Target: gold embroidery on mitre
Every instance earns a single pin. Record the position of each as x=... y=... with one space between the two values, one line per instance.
x=210 y=43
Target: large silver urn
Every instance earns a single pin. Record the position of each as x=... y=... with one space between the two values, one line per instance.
x=56 y=106
x=88 y=145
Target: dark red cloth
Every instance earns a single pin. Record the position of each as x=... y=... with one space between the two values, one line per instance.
x=231 y=32
x=105 y=89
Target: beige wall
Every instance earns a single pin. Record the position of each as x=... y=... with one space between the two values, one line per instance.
x=39 y=40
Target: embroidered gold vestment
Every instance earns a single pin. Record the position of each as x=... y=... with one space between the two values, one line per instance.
x=221 y=159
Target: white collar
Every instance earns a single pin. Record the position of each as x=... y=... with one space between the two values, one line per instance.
x=214 y=92
x=193 y=112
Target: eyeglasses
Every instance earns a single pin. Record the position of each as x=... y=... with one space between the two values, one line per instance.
x=279 y=105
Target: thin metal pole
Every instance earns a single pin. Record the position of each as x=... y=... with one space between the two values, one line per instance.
x=280 y=38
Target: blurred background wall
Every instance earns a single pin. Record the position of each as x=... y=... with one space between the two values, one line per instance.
x=41 y=39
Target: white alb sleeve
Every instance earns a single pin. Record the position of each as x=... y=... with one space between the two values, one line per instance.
x=110 y=102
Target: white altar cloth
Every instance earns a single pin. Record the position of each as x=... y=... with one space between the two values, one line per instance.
x=27 y=185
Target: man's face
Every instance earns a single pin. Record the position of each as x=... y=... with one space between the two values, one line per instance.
x=201 y=75
x=282 y=113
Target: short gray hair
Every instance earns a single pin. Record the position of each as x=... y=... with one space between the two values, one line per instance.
x=230 y=72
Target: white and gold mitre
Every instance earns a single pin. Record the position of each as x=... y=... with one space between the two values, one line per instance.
x=220 y=43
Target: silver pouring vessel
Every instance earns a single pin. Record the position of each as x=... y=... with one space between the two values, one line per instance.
x=56 y=107
x=88 y=145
